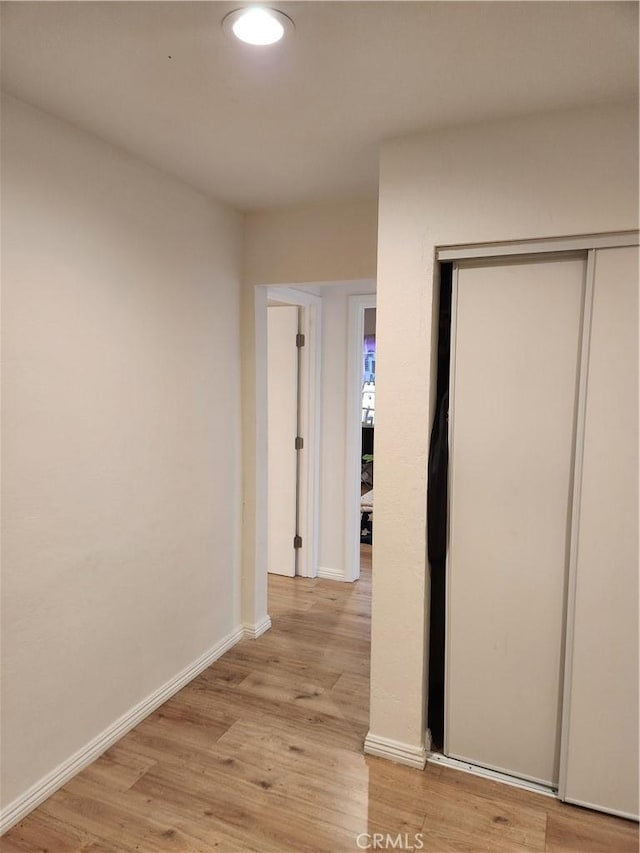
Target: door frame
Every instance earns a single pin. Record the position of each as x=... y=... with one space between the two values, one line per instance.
x=353 y=448
x=310 y=410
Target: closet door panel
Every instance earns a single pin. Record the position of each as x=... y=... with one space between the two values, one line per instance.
x=602 y=750
x=516 y=351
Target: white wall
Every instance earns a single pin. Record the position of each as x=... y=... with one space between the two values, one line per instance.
x=312 y=242
x=289 y=246
x=548 y=175
x=121 y=420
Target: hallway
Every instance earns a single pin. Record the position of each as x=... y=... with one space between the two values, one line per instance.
x=263 y=752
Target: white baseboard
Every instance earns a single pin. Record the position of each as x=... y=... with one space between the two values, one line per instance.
x=256 y=630
x=330 y=574
x=50 y=783
x=394 y=750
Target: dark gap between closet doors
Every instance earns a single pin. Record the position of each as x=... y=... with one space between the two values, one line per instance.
x=437 y=514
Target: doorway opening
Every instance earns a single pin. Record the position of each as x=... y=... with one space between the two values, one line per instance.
x=321 y=451
x=367 y=437
x=360 y=432
x=292 y=359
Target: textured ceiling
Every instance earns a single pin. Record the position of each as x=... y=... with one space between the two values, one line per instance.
x=302 y=120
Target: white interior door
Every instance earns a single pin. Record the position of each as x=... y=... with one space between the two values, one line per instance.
x=282 y=413
x=602 y=736
x=515 y=354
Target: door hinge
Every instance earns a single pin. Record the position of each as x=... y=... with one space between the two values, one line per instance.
x=299 y=340
x=297 y=542
x=299 y=442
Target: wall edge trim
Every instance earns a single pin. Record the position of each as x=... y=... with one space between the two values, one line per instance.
x=67 y=769
x=257 y=629
x=329 y=574
x=395 y=750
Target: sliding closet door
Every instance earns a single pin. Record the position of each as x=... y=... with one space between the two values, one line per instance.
x=602 y=739
x=517 y=330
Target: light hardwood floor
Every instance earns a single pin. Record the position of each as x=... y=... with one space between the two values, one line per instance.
x=263 y=752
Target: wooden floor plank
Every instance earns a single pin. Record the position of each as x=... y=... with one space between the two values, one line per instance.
x=40 y=834
x=263 y=752
x=574 y=830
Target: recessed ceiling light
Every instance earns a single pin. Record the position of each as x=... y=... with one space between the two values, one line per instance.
x=257 y=25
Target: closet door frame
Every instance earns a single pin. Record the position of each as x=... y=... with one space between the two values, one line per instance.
x=538 y=249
